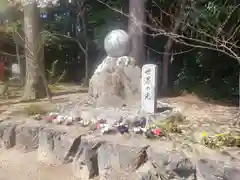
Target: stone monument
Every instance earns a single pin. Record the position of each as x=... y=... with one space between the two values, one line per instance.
x=117 y=80
x=149 y=88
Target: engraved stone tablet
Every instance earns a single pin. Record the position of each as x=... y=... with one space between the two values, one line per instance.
x=149 y=88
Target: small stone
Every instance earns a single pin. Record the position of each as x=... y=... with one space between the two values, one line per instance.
x=149 y=134
x=92 y=127
x=139 y=122
x=77 y=119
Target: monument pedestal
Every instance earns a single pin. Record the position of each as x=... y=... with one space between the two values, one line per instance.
x=117 y=80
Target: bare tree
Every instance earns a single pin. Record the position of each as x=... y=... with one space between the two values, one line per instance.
x=82 y=17
x=168 y=46
x=226 y=43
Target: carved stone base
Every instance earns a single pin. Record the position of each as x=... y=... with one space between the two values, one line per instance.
x=115 y=82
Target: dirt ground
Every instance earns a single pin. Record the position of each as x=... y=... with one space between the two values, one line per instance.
x=26 y=167
x=197 y=111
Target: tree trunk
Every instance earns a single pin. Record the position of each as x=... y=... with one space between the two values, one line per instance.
x=21 y=75
x=136 y=29
x=168 y=47
x=85 y=27
x=35 y=82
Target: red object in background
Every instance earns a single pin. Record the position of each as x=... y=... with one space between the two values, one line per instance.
x=98 y=126
x=1 y=70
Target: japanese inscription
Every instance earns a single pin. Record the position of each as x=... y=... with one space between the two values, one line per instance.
x=149 y=88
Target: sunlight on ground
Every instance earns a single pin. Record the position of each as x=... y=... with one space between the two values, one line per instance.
x=24 y=166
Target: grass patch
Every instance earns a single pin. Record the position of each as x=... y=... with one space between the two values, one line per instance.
x=54 y=87
x=169 y=124
x=166 y=127
x=34 y=109
x=221 y=140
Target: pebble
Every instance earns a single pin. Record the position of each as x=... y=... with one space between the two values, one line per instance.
x=141 y=122
x=149 y=134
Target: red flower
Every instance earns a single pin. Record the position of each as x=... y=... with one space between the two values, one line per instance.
x=157 y=131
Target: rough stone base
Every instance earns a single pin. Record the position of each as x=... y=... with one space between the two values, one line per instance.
x=113 y=157
x=116 y=84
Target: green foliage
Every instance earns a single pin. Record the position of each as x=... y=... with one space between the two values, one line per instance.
x=221 y=140
x=3 y=6
x=102 y=19
x=203 y=72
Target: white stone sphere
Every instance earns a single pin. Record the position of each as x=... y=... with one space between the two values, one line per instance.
x=117 y=43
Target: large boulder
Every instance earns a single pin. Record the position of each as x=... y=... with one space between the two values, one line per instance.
x=57 y=147
x=7 y=135
x=116 y=82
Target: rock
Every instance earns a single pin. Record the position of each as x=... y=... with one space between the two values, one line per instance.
x=172 y=164
x=7 y=135
x=146 y=172
x=139 y=122
x=113 y=86
x=232 y=173
x=109 y=101
x=57 y=147
x=46 y=146
x=107 y=65
x=85 y=163
x=216 y=170
x=115 y=157
x=27 y=136
x=131 y=77
x=213 y=154
x=233 y=152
